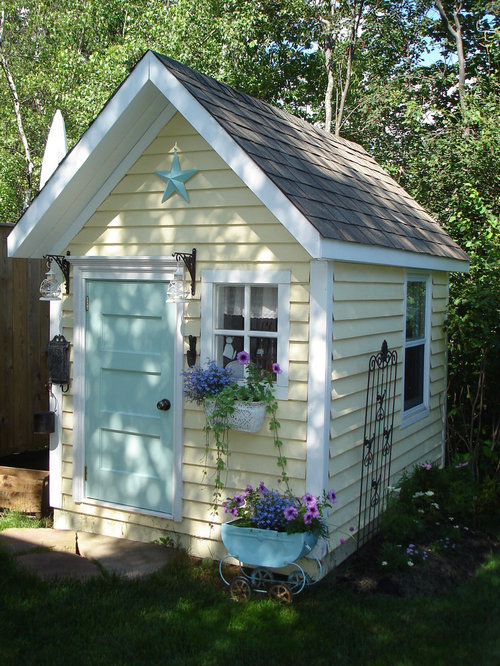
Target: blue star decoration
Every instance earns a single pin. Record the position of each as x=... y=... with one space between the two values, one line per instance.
x=175 y=179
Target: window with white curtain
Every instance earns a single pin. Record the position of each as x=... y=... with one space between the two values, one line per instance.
x=246 y=310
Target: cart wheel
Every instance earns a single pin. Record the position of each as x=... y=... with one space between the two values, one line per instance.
x=261 y=578
x=240 y=589
x=297 y=580
x=280 y=592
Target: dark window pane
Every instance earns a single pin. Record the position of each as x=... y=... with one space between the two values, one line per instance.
x=414 y=376
x=415 y=310
x=263 y=352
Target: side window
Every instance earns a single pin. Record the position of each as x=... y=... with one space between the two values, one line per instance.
x=246 y=310
x=416 y=343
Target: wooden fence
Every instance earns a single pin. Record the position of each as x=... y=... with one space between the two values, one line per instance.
x=24 y=334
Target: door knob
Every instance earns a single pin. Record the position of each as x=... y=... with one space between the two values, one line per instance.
x=163 y=405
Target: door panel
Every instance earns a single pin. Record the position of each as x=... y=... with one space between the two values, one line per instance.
x=129 y=341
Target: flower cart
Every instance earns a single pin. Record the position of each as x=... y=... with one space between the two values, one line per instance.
x=267 y=562
x=271 y=533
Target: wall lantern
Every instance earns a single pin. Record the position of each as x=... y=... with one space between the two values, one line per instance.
x=178 y=290
x=50 y=288
x=59 y=361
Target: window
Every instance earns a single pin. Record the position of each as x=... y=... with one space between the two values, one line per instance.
x=416 y=343
x=246 y=310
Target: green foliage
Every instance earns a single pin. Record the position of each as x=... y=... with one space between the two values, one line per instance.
x=73 y=55
x=430 y=511
x=16 y=519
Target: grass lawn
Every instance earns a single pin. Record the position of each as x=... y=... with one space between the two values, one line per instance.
x=183 y=615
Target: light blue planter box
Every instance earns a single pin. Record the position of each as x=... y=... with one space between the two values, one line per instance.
x=265 y=548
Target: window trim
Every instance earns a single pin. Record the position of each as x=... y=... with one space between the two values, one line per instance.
x=422 y=410
x=210 y=279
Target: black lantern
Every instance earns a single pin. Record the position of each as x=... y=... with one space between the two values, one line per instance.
x=59 y=368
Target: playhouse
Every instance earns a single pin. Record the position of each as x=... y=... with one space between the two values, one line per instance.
x=307 y=252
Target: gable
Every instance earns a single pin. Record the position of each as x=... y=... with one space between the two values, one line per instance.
x=328 y=193
x=223 y=218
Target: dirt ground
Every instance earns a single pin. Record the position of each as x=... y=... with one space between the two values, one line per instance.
x=363 y=572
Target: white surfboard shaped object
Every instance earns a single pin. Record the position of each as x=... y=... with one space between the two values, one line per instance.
x=55 y=148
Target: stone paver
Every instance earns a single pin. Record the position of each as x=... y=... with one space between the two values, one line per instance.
x=123 y=557
x=60 y=566
x=66 y=554
x=19 y=540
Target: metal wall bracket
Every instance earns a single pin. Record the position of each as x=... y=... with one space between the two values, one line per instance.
x=63 y=264
x=189 y=260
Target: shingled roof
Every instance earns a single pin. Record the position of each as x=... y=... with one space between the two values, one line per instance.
x=328 y=192
x=335 y=184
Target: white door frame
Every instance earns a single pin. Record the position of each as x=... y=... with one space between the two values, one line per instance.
x=121 y=268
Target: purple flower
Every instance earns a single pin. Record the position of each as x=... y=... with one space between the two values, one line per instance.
x=239 y=499
x=308 y=499
x=226 y=508
x=262 y=488
x=426 y=466
x=342 y=541
x=290 y=513
x=313 y=510
x=332 y=497
x=234 y=511
x=308 y=517
x=243 y=357
x=276 y=369
x=351 y=529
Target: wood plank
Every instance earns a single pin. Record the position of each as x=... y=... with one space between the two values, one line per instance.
x=25 y=490
x=24 y=333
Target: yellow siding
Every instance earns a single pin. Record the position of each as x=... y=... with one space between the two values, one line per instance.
x=230 y=229
x=368 y=308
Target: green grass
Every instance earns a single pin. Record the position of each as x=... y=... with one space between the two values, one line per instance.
x=183 y=615
x=17 y=519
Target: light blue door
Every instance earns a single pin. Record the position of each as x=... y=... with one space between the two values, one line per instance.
x=129 y=341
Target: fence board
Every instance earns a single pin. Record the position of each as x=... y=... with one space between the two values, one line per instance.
x=24 y=334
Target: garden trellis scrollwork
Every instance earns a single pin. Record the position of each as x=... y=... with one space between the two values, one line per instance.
x=377 y=441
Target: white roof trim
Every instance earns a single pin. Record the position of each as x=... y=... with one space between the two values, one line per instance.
x=117 y=137
x=125 y=127
x=382 y=256
x=119 y=134
x=236 y=158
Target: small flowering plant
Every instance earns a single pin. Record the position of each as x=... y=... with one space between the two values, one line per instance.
x=218 y=388
x=202 y=383
x=282 y=512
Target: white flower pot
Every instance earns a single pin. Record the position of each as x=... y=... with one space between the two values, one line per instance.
x=247 y=416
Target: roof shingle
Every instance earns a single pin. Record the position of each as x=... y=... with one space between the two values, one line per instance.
x=335 y=184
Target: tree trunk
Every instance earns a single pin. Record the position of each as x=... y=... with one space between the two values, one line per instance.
x=17 y=110
x=455 y=30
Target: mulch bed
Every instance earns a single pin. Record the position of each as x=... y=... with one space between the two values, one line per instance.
x=363 y=573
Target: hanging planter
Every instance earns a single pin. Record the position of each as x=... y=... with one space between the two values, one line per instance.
x=265 y=548
x=246 y=417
